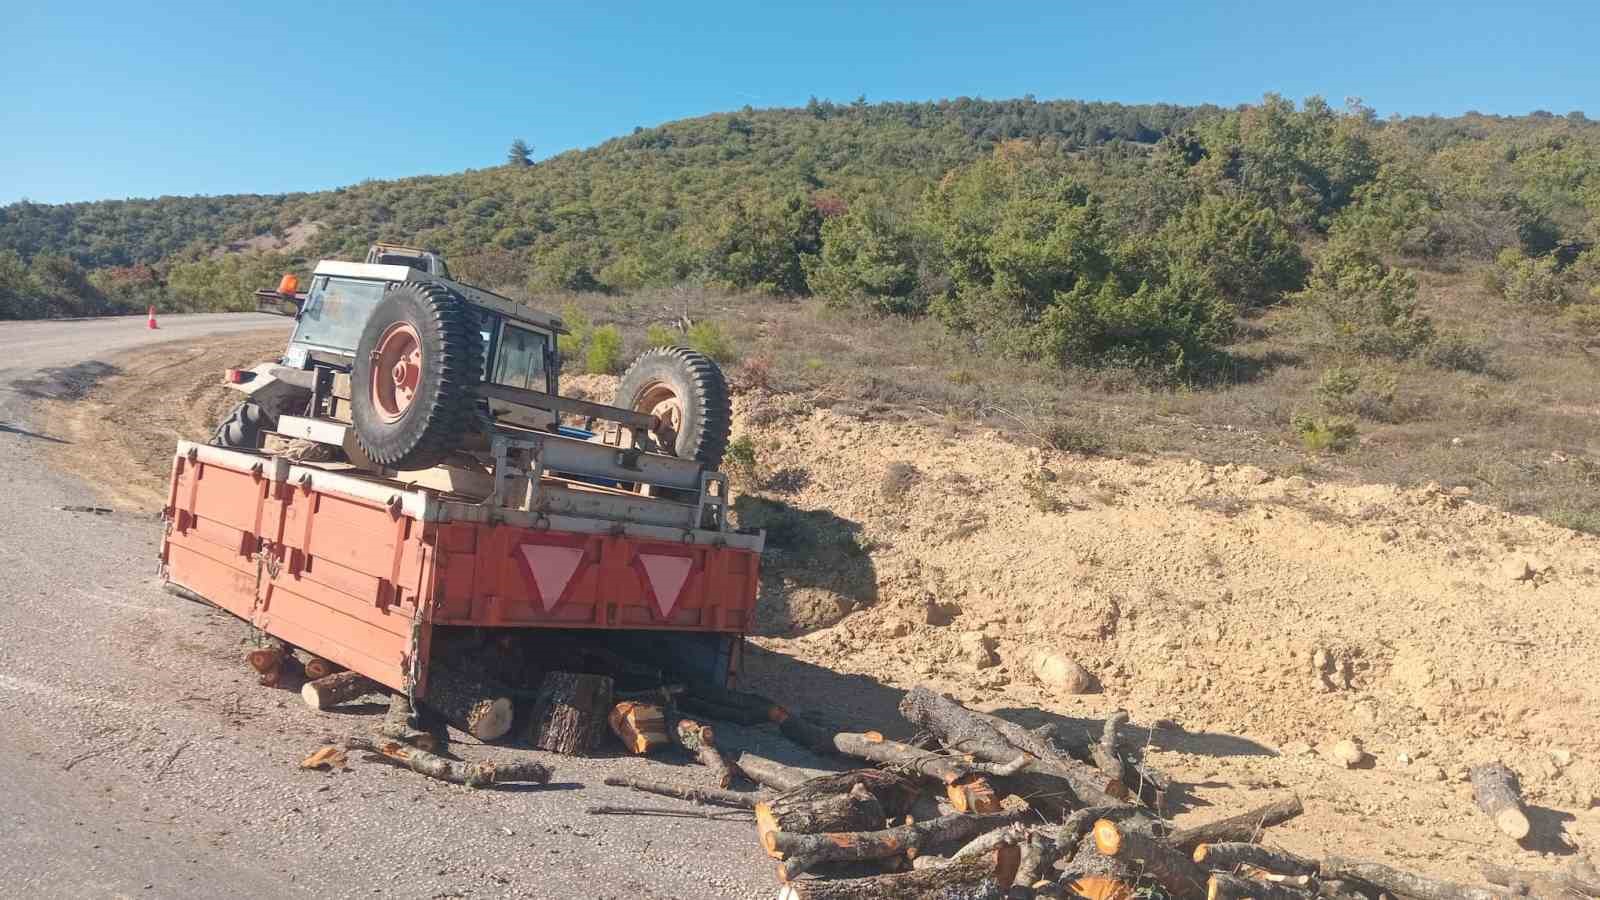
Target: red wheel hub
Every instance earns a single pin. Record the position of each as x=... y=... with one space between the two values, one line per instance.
x=396 y=370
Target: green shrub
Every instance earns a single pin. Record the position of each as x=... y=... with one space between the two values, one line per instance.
x=1074 y=438
x=575 y=344
x=1529 y=281
x=1336 y=389
x=710 y=339
x=1455 y=352
x=1584 y=318
x=1248 y=256
x=867 y=261
x=1318 y=433
x=1356 y=304
x=662 y=336
x=740 y=457
x=604 y=355
x=1174 y=326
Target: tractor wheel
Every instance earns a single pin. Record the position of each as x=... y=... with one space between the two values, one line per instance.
x=241 y=430
x=412 y=387
x=685 y=390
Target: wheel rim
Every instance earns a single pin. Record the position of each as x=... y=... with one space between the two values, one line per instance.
x=660 y=400
x=396 y=371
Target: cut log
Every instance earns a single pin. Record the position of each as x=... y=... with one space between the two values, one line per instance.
x=316 y=667
x=340 y=687
x=979 y=878
x=1554 y=884
x=972 y=794
x=1226 y=856
x=947 y=769
x=425 y=763
x=396 y=725
x=265 y=660
x=1403 y=884
x=854 y=810
x=1245 y=827
x=700 y=740
x=801 y=852
x=692 y=793
x=1051 y=783
x=478 y=707
x=642 y=727
x=955 y=725
x=848 y=801
x=1222 y=886
x=1011 y=835
x=773 y=774
x=570 y=715
x=1090 y=874
x=1104 y=751
x=1158 y=859
x=1499 y=795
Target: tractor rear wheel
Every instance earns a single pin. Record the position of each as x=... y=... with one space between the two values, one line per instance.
x=687 y=394
x=416 y=366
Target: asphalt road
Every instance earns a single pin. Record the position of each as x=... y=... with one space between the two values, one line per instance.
x=138 y=758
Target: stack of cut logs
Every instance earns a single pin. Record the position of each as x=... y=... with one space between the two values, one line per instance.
x=974 y=806
x=978 y=807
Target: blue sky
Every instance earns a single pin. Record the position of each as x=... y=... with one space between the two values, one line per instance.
x=115 y=99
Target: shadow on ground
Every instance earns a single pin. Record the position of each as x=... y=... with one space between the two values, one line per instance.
x=8 y=428
x=815 y=570
x=65 y=383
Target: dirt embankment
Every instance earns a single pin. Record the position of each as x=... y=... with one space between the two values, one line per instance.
x=1260 y=619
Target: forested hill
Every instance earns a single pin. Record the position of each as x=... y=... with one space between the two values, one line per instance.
x=617 y=208
x=1081 y=233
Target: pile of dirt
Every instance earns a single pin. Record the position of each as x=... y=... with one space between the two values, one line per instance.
x=1258 y=620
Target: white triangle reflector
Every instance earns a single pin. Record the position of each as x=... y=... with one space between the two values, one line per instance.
x=550 y=569
x=667 y=575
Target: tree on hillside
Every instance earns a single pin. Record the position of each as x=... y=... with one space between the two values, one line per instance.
x=520 y=154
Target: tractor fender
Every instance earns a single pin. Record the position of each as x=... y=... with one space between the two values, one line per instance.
x=276 y=387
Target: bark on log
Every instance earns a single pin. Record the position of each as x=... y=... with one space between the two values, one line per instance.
x=1104 y=751
x=340 y=687
x=1403 y=884
x=1571 y=881
x=773 y=774
x=1159 y=860
x=803 y=812
x=1226 y=856
x=801 y=852
x=316 y=667
x=570 y=715
x=1499 y=795
x=874 y=747
x=425 y=763
x=1051 y=783
x=1090 y=874
x=397 y=725
x=1223 y=886
x=980 y=878
x=700 y=740
x=1245 y=827
x=478 y=707
x=692 y=793
x=266 y=653
x=642 y=727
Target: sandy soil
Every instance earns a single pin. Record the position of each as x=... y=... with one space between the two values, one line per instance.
x=1254 y=620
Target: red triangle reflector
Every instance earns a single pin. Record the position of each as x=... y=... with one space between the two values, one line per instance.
x=667 y=575
x=549 y=569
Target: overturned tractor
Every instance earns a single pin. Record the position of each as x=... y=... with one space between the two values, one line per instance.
x=406 y=494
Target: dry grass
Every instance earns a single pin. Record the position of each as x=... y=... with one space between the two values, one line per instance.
x=1524 y=433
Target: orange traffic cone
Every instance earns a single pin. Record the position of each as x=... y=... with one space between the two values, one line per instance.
x=151 y=321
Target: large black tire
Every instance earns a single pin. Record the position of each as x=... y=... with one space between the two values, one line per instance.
x=444 y=408
x=696 y=385
x=241 y=429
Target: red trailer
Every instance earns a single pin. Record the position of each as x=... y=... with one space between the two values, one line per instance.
x=364 y=570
